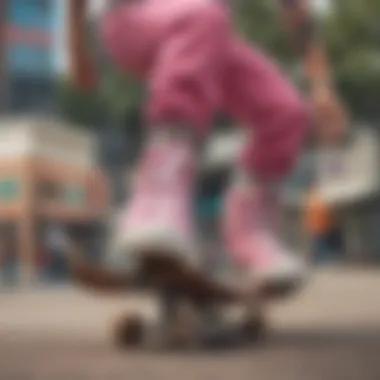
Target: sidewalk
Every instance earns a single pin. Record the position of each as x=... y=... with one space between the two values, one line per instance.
x=331 y=331
x=335 y=298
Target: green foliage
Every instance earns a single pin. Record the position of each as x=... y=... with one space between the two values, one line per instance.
x=121 y=94
x=260 y=23
x=116 y=98
x=352 y=32
x=79 y=107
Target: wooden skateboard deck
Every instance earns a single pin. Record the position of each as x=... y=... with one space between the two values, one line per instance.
x=195 y=284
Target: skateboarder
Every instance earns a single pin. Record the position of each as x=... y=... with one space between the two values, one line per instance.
x=194 y=64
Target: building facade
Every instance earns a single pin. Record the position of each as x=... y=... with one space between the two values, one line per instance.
x=48 y=176
x=27 y=54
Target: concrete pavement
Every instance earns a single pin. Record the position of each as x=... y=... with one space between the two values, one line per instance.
x=331 y=331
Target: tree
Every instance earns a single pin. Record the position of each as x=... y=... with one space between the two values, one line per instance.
x=352 y=31
x=260 y=23
x=79 y=107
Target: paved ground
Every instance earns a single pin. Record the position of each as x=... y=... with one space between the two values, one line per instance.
x=331 y=331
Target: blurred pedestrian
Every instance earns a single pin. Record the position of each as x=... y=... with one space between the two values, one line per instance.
x=318 y=226
x=57 y=246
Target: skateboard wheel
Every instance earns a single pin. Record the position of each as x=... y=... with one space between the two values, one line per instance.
x=129 y=331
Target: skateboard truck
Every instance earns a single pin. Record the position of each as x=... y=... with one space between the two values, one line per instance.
x=192 y=305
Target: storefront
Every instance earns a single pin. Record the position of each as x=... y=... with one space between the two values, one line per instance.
x=48 y=175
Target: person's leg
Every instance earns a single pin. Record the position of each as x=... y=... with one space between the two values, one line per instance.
x=257 y=94
x=183 y=83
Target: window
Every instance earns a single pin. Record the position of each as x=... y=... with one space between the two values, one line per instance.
x=65 y=194
x=74 y=195
x=32 y=13
x=30 y=93
x=9 y=189
x=48 y=190
x=29 y=59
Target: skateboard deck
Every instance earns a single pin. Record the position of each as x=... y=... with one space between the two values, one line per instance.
x=156 y=273
x=187 y=298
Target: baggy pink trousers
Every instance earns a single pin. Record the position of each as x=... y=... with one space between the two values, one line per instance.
x=194 y=65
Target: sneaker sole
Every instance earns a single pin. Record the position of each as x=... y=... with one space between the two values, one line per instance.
x=158 y=268
x=155 y=269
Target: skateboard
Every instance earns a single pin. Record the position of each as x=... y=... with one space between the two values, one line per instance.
x=195 y=310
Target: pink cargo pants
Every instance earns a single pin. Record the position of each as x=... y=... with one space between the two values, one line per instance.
x=195 y=65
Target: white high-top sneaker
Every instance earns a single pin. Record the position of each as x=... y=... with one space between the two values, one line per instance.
x=158 y=217
x=248 y=226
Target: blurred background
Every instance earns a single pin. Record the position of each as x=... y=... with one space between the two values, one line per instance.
x=66 y=155
x=66 y=158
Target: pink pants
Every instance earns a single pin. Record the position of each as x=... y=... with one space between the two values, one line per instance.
x=195 y=65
